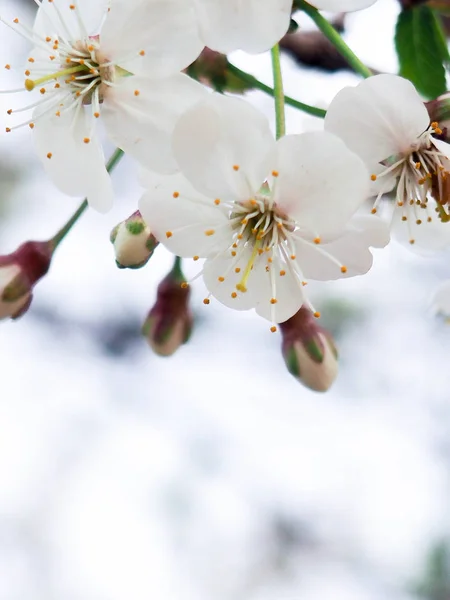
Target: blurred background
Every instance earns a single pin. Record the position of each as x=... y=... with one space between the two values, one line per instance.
x=214 y=474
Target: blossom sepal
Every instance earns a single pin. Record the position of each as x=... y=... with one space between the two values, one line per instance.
x=309 y=351
x=19 y=272
x=133 y=242
x=169 y=323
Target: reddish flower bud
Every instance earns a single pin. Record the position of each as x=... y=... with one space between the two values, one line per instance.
x=309 y=351
x=133 y=242
x=19 y=272
x=169 y=322
x=212 y=69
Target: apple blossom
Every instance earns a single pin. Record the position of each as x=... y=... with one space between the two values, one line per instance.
x=266 y=215
x=117 y=61
x=384 y=121
x=252 y=26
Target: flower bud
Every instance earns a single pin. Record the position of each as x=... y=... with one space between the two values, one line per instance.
x=19 y=272
x=211 y=68
x=133 y=242
x=169 y=323
x=309 y=351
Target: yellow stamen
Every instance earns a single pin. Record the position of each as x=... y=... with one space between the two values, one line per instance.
x=30 y=84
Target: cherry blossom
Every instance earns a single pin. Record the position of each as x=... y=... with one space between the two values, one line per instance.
x=252 y=26
x=115 y=61
x=385 y=122
x=266 y=215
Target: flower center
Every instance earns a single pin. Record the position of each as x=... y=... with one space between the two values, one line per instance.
x=421 y=170
x=258 y=222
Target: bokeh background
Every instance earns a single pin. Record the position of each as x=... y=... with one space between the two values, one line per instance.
x=214 y=474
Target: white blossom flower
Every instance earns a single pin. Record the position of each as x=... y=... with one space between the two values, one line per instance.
x=115 y=61
x=341 y=5
x=384 y=121
x=266 y=215
x=441 y=300
x=252 y=26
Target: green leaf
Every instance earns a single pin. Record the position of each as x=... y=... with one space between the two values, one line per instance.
x=422 y=50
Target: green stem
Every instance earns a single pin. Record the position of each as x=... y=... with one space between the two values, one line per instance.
x=58 y=238
x=259 y=85
x=334 y=37
x=280 y=116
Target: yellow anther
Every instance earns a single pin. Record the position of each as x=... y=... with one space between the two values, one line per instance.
x=404 y=218
x=273 y=329
x=217 y=201
x=374 y=211
x=237 y=270
x=176 y=194
x=184 y=285
x=317 y=314
x=209 y=232
x=434 y=124
x=206 y=301
x=233 y=295
x=136 y=92
x=282 y=273
x=31 y=125
x=418 y=165
x=221 y=279
x=373 y=177
x=195 y=257
x=142 y=52
x=236 y=167
x=86 y=140
x=343 y=269
x=275 y=173
x=49 y=155
x=418 y=222
x=317 y=240
x=412 y=241
x=273 y=301
x=169 y=234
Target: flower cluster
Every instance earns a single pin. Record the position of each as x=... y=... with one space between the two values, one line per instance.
x=265 y=213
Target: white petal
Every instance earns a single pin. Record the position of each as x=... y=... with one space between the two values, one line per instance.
x=186 y=222
x=441 y=298
x=381 y=116
x=428 y=237
x=224 y=267
x=442 y=146
x=349 y=253
x=140 y=116
x=72 y=24
x=285 y=289
x=320 y=183
x=252 y=26
x=224 y=147
x=157 y=38
x=75 y=167
x=342 y=5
